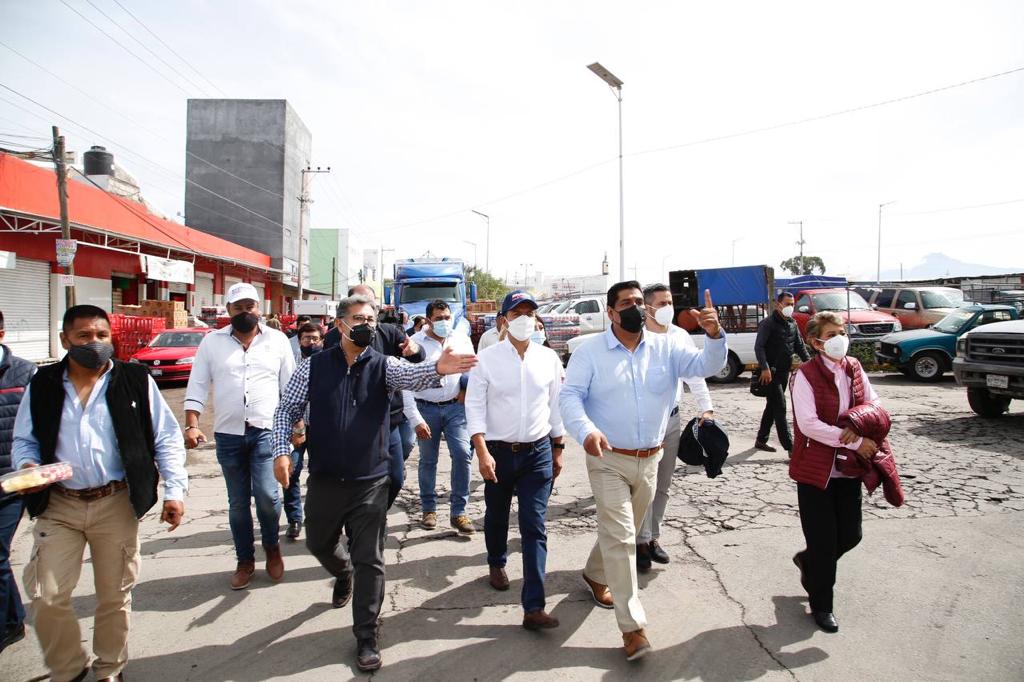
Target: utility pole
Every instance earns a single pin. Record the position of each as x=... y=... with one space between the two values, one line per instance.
x=878 y=271
x=487 y=255
x=800 y=243
x=334 y=272
x=62 y=198
x=526 y=269
x=304 y=202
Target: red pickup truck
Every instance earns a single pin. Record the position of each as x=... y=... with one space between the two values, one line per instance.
x=862 y=322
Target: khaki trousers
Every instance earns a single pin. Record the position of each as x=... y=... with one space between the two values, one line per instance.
x=623 y=487
x=108 y=525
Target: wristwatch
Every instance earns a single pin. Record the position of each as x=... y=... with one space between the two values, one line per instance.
x=558 y=446
x=189 y=428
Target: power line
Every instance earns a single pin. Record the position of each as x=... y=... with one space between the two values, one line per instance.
x=961 y=208
x=125 y=48
x=146 y=48
x=171 y=49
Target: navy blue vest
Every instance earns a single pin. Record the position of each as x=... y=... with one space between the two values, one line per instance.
x=349 y=416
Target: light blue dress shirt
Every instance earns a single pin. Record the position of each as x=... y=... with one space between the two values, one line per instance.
x=87 y=442
x=626 y=395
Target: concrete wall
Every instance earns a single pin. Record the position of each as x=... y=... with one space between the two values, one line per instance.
x=341 y=245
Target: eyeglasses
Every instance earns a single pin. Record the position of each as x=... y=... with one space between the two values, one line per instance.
x=364 y=319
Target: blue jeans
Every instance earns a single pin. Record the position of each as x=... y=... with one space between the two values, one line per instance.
x=11 y=609
x=293 y=493
x=248 y=466
x=449 y=420
x=526 y=474
x=396 y=465
x=408 y=438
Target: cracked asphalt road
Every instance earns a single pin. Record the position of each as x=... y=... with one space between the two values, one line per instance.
x=933 y=592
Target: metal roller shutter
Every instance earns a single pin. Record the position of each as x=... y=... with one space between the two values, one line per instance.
x=204 y=292
x=25 y=301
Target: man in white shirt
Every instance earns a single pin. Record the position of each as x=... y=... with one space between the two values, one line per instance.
x=660 y=317
x=492 y=335
x=248 y=365
x=439 y=411
x=512 y=411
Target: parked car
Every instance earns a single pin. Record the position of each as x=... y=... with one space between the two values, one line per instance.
x=916 y=307
x=169 y=356
x=926 y=354
x=990 y=364
x=862 y=322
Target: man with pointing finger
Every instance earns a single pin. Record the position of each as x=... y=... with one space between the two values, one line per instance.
x=619 y=389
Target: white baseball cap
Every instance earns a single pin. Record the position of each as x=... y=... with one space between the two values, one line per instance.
x=240 y=292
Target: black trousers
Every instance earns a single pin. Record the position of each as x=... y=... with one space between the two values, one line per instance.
x=831 y=520
x=775 y=412
x=359 y=508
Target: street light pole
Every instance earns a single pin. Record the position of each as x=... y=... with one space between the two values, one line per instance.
x=488 y=252
x=616 y=85
x=878 y=271
x=801 y=243
x=476 y=263
x=734 y=249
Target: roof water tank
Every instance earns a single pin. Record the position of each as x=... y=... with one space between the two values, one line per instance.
x=98 y=161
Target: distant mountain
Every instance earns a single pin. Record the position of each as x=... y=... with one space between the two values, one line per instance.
x=941 y=265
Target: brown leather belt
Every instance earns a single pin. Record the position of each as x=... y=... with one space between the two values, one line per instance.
x=89 y=494
x=649 y=452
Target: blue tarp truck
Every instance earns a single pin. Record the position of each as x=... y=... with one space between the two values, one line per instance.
x=418 y=281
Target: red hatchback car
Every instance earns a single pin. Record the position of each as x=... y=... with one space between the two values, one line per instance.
x=169 y=356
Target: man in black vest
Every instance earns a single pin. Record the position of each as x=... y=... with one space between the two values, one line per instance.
x=390 y=339
x=107 y=420
x=348 y=390
x=15 y=374
x=778 y=339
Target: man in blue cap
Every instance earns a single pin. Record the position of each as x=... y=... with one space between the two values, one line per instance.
x=513 y=416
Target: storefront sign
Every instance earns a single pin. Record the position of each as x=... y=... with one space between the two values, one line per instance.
x=168 y=270
x=66 y=249
x=66 y=280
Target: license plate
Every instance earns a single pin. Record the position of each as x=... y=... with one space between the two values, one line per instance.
x=160 y=372
x=997 y=381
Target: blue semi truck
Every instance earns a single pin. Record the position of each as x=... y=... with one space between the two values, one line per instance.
x=418 y=281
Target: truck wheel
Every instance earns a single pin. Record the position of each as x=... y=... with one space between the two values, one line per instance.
x=732 y=369
x=927 y=366
x=985 y=404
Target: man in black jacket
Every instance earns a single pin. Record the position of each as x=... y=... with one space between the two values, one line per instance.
x=778 y=339
x=389 y=339
x=347 y=391
x=15 y=374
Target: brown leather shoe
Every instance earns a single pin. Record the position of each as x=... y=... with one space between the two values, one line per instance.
x=275 y=563
x=764 y=447
x=602 y=597
x=635 y=644
x=242 y=575
x=499 y=579
x=539 y=620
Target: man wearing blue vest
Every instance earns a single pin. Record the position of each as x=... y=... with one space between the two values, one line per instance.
x=348 y=390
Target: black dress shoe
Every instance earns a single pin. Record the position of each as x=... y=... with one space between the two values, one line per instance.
x=803 y=576
x=826 y=620
x=368 y=655
x=643 y=558
x=15 y=634
x=294 y=529
x=342 y=592
x=657 y=553
x=758 y=445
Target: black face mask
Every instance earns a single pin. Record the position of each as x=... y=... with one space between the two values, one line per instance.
x=361 y=334
x=310 y=350
x=91 y=355
x=632 y=319
x=243 y=323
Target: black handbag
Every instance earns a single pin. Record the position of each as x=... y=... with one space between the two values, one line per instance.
x=756 y=387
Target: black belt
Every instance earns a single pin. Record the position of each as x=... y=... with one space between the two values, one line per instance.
x=440 y=404
x=515 y=447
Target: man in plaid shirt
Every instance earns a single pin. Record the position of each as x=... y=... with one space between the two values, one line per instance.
x=348 y=391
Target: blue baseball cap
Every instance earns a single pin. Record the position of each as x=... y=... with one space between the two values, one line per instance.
x=515 y=298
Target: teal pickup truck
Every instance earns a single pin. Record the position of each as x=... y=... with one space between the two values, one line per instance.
x=926 y=354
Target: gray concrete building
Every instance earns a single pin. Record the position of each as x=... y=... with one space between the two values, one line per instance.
x=244 y=166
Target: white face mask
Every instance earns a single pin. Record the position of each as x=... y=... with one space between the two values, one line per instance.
x=442 y=328
x=522 y=327
x=836 y=347
x=787 y=311
x=539 y=337
x=664 y=315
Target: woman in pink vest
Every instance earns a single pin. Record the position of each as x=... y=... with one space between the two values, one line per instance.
x=830 y=503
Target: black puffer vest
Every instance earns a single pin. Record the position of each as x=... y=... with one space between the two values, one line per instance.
x=15 y=373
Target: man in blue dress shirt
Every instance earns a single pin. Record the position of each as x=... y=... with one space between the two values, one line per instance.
x=619 y=389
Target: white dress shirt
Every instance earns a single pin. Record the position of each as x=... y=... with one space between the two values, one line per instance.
x=515 y=399
x=449 y=388
x=697 y=385
x=247 y=384
x=487 y=339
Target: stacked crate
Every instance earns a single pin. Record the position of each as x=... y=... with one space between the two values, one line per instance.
x=172 y=312
x=132 y=332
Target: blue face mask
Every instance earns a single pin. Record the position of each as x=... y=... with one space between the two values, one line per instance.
x=441 y=328
x=539 y=336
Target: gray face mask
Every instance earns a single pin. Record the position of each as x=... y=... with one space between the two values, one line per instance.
x=91 y=355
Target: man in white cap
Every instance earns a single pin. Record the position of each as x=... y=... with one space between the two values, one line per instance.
x=248 y=364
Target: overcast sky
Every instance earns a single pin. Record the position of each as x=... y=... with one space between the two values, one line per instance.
x=425 y=110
